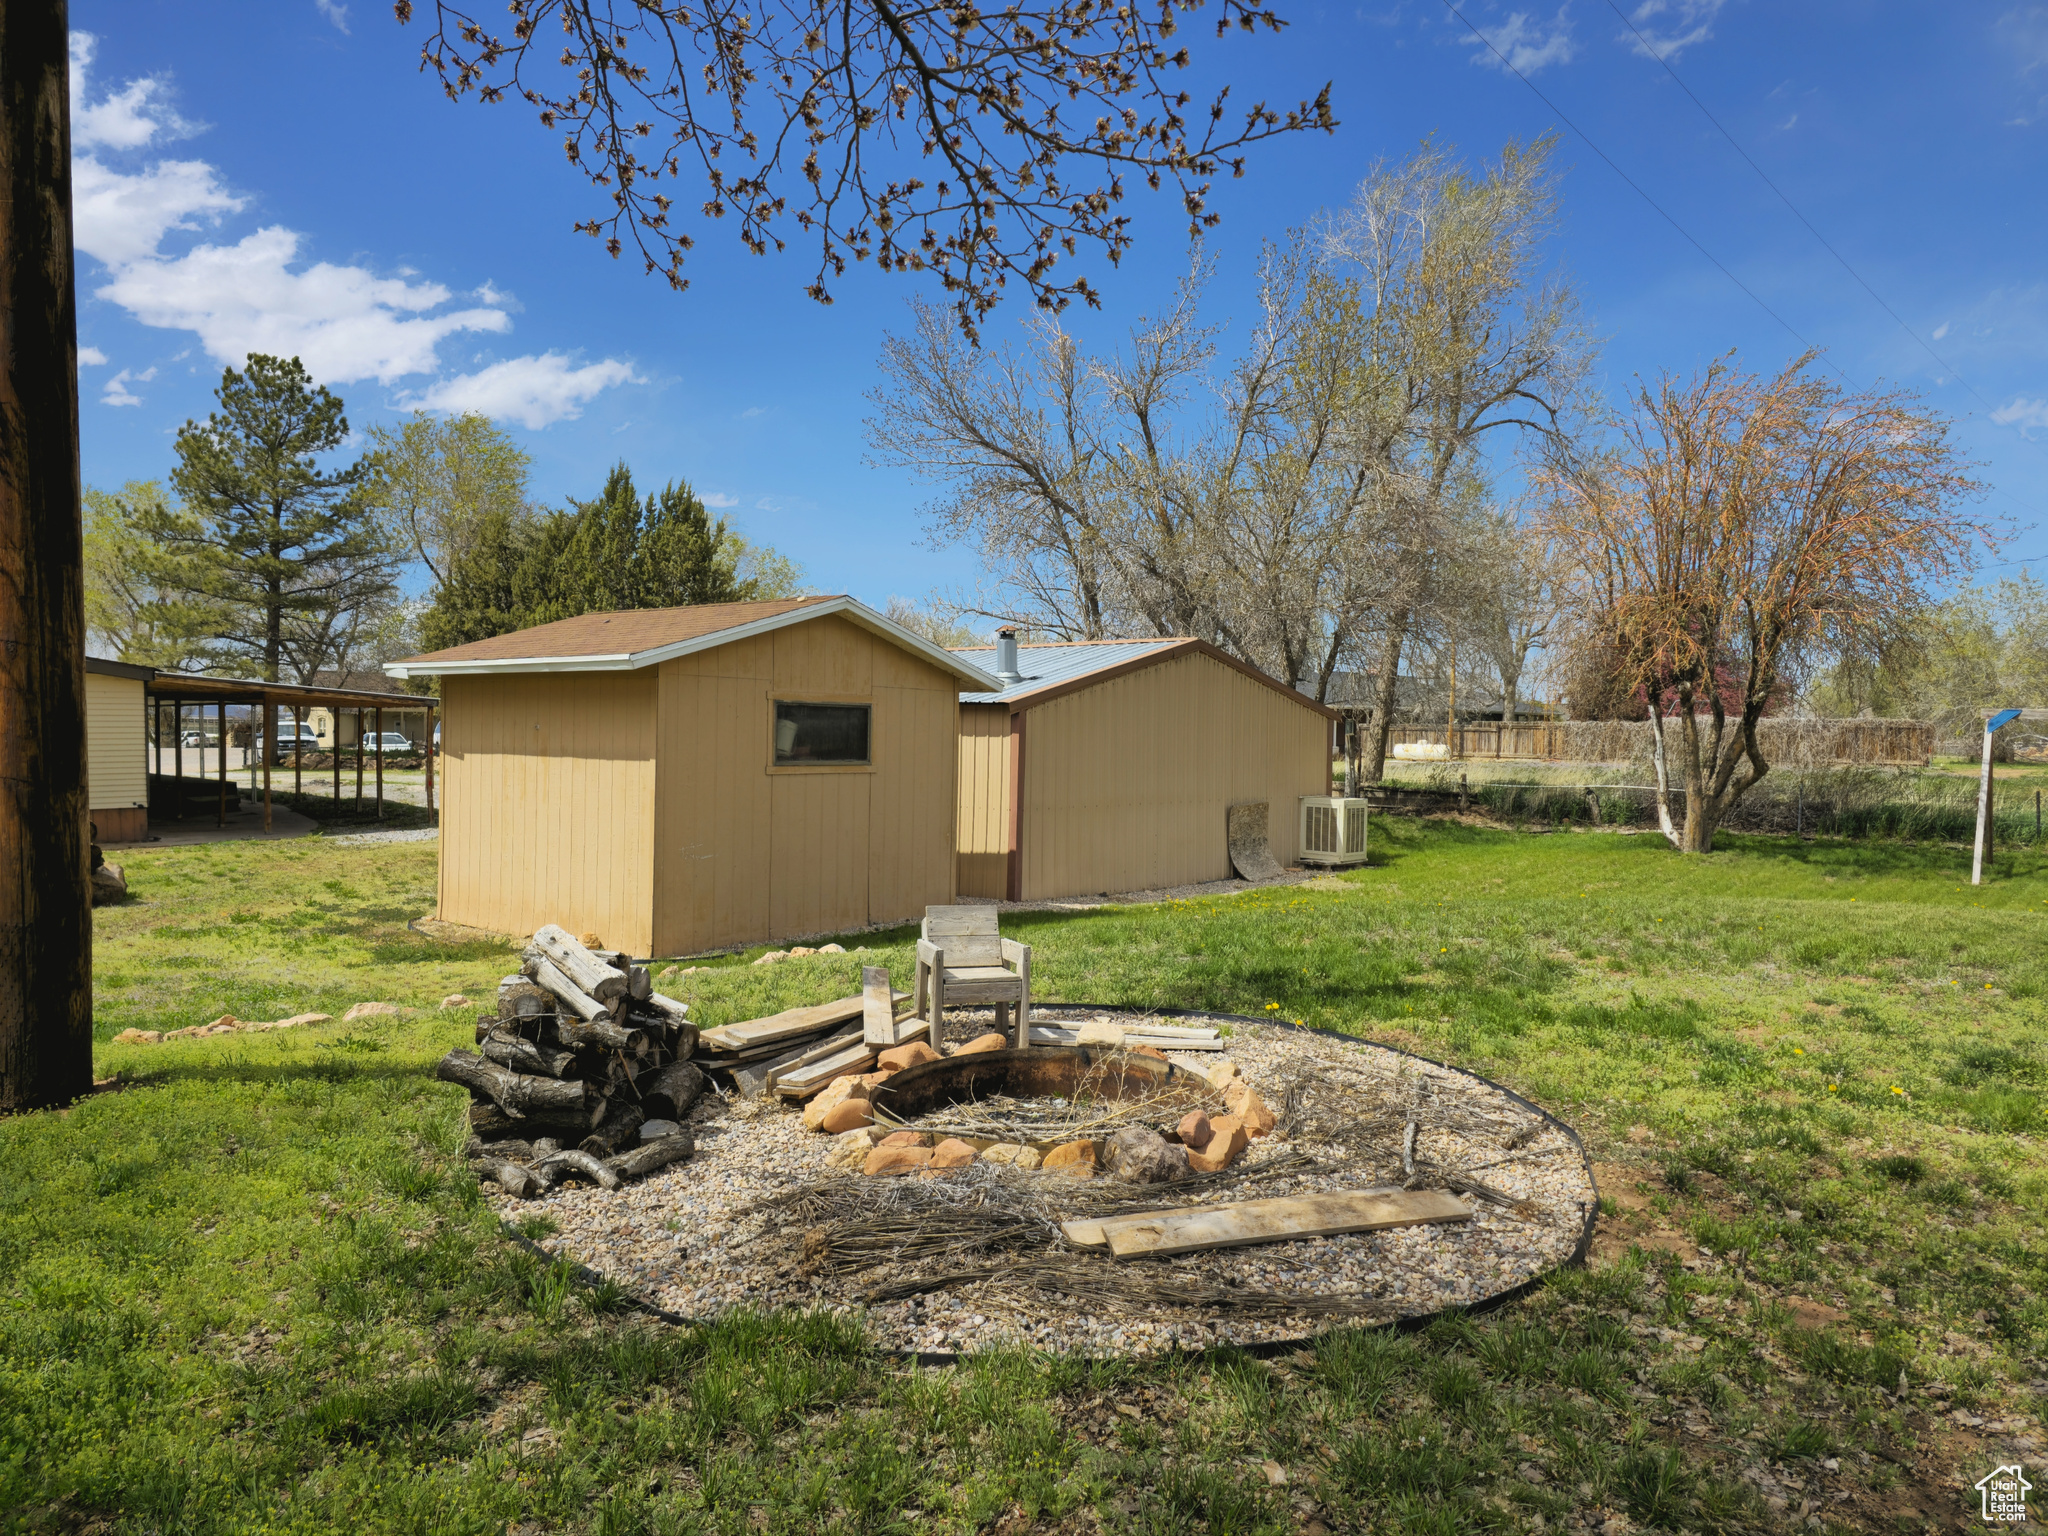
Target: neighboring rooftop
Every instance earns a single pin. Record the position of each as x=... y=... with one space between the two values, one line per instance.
x=645 y=637
x=1052 y=668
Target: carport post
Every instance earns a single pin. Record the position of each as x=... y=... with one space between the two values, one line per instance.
x=334 y=725
x=178 y=755
x=427 y=757
x=263 y=750
x=380 y=762
x=298 y=756
x=359 y=759
x=223 y=707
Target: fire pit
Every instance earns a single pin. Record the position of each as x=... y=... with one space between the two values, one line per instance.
x=961 y=1256
x=1039 y=1097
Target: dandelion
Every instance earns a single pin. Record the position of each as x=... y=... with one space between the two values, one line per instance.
x=1798 y=1050
x=1898 y=1090
x=1272 y=1007
x=1833 y=1086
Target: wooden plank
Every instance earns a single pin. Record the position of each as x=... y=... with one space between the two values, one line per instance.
x=965 y=921
x=878 y=1007
x=803 y=1081
x=832 y=1047
x=758 y=1077
x=786 y=1025
x=1092 y=1231
x=1273 y=1221
x=1048 y=1034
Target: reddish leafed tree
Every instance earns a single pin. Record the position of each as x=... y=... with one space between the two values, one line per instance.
x=1737 y=529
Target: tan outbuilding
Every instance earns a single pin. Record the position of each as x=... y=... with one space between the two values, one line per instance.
x=682 y=779
x=1129 y=754
x=117 y=749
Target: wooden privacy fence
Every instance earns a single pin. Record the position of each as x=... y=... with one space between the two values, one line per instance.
x=1785 y=742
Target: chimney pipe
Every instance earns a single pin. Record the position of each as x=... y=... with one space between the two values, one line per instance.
x=1006 y=656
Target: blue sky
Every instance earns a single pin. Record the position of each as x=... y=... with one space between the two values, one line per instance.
x=280 y=177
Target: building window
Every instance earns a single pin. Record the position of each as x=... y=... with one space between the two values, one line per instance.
x=807 y=734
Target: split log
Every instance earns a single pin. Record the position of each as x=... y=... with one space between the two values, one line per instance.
x=514 y=1090
x=638 y=983
x=510 y=1177
x=679 y=1012
x=620 y=1127
x=577 y=1162
x=562 y=989
x=672 y=1091
x=603 y=1035
x=509 y=1050
x=650 y=1155
x=595 y=977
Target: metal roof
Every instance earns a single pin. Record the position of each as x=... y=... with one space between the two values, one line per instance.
x=1047 y=666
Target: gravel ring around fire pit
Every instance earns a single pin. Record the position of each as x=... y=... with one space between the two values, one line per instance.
x=704 y=1237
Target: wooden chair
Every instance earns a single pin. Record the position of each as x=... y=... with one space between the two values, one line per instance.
x=961 y=958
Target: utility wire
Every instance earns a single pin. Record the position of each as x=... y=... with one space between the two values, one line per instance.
x=1690 y=239
x=1451 y=6
x=1925 y=345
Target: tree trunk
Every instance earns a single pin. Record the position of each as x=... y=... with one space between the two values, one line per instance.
x=1383 y=698
x=45 y=892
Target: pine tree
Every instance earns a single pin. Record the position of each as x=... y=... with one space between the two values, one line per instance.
x=264 y=536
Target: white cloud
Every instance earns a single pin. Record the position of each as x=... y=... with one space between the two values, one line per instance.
x=338 y=14
x=1789 y=123
x=117 y=391
x=91 y=357
x=118 y=218
x=1524 y=43
x=1941 y=330
x=2023 y=32
x=532 y=391
x=344 y=323
x=129 y=118
x=720 y=499
x=2027 y=415
x=260 y=294
x=1668 y=27
x=752 y=411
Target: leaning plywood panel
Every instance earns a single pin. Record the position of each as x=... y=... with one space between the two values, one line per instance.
x=548 y=792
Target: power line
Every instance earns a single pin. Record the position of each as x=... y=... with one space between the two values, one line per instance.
x=1925 y=345
x=1634 y=187
x=1639 y=192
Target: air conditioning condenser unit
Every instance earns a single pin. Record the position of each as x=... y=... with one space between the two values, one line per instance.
x=1332 y=830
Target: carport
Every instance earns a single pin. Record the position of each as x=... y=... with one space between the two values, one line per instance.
x=170 y=695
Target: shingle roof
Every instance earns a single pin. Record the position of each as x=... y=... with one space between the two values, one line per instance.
x=1053 y=670
x=613 y=642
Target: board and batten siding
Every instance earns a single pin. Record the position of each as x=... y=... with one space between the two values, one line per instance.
x=1126 y=783
x=116 y=763
x=548 y=804
x=983 y=835
x=746 y=851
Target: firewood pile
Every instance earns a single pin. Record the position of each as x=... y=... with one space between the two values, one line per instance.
x=583 y=1071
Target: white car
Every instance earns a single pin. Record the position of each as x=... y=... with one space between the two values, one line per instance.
x=389 y=741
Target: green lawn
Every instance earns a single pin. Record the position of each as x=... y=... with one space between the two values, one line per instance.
x=252 y=1290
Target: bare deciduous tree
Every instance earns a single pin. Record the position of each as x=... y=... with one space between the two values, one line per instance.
x=1026 y=121
x=1737 y=530
x=1468 y=340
